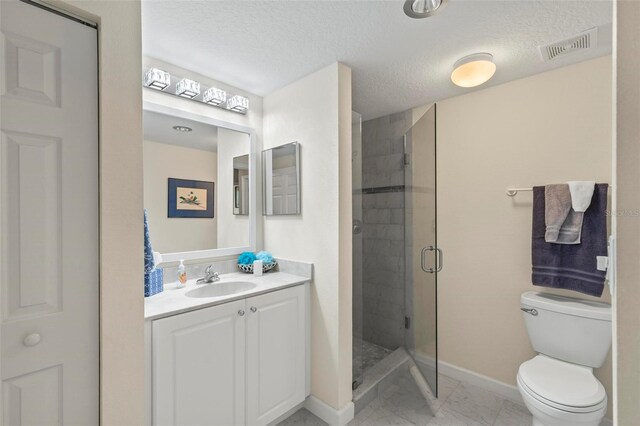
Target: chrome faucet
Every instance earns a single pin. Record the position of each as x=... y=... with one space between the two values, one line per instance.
x=210 y=276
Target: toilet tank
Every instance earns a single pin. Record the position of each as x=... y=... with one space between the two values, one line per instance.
x=567 y=328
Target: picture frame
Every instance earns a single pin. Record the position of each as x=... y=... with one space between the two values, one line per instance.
x=189 y=198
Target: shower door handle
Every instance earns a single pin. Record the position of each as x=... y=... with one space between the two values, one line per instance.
x=422 y=262
x=439 y=261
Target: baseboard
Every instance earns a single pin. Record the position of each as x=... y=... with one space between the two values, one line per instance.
x=606 y=422
x=329 y=414
x=287 y=414
x=505 y=390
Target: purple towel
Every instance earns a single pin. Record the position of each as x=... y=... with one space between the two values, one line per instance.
x=572 y=267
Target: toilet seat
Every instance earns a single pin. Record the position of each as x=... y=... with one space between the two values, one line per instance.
x=564 y=386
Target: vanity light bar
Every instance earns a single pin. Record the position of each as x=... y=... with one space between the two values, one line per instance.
x=187 y=88
x=160 y=80
x=214 y=96
x=157 y=79
x=238 y=103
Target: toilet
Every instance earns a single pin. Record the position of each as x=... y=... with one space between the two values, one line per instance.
x=571 y=336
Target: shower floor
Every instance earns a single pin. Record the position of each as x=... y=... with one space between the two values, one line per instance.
x=370 y=355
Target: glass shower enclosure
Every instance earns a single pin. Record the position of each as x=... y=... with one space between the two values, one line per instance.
x=380 y=210
x=357 y=295
x=423 y=258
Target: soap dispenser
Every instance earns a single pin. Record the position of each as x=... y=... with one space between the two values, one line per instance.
x=182 y=275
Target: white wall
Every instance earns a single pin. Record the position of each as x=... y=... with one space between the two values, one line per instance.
x=551 y=127
x=234 y=229
x=121 y=244
x=316 y=112
x=163 y=161
x=627 y=206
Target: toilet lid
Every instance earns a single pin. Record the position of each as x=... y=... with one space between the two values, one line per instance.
x=562 y=383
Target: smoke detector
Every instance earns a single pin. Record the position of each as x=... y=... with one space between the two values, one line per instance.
x=584 y=41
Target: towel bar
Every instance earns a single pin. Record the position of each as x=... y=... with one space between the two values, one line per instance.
x=511 y=192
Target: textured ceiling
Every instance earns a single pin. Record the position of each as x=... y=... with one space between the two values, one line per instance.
x=397 y=62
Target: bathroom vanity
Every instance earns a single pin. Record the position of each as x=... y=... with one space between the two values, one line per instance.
x=233 y=352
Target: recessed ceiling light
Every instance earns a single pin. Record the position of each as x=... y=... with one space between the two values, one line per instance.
x=184 y=129
x=473 y=70
x=422 y=8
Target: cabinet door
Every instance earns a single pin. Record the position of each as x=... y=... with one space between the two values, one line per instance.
x=199 y=367
x=276 y=351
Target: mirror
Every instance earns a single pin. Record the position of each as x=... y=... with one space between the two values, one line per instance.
x=241 y=185
x=191 y=170
x=281 y=181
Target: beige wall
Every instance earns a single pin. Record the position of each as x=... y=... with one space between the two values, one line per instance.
x=627 y=206
x=551 y=127
x=316 y=112
x=163 y=161
x=121 y=245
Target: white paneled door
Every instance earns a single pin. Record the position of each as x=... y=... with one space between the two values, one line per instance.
x=285 y=191
x=49 y=279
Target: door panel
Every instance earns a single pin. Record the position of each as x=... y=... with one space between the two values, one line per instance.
x=198 y=367
x=33 y=181
x=276 y=348
x=35 y=389
x=49 y=279
x=421 y=245
x=285 y=191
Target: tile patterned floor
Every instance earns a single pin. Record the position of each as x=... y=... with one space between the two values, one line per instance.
x=302 y=417
x=402 y=404
x=367 y=355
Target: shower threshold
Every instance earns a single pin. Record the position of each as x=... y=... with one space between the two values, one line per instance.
x=377 y=378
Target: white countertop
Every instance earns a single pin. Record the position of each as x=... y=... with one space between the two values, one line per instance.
x=173 y=300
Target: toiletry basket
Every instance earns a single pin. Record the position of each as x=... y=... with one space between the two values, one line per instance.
x=265 y=267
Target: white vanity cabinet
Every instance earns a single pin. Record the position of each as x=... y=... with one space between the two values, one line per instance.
x=241 y=362
x=276 y=353
x=199 y=367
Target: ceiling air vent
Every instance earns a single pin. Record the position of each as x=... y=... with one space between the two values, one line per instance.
x=583 y=41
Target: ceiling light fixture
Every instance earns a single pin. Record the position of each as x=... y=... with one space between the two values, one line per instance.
x=187 y=88
x=473 y=70
x=157 y=79
x=183 y=129
x=423 y=8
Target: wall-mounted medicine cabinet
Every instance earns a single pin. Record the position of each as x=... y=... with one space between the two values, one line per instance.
x=281 y=180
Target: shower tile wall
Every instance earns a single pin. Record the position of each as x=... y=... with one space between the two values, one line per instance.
x=383 y=229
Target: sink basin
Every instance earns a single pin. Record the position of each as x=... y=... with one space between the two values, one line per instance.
x=220 y=289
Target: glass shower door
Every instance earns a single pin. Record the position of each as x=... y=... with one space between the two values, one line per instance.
x=357 y=297
x=423 y=258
